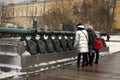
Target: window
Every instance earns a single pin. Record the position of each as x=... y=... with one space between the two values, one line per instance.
x=24 y=12
x=21 y=13
x=15 y=13
x=47 y=10
x=36 y=11
x=10 y=14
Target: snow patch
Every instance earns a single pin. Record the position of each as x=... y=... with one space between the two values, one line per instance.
x=11 y=74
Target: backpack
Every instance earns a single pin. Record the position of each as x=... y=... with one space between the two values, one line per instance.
x=97 y=43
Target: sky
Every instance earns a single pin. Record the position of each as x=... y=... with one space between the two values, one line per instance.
x=18 y=0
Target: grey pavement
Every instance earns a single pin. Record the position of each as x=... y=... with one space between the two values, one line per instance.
x=107 y=69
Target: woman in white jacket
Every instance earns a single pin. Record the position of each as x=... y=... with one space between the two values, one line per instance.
x=81 y=43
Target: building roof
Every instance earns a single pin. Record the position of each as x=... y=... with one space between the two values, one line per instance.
x=35 y=2
x=32 y=1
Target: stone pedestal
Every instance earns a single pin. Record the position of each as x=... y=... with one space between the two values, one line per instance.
x=13 y=57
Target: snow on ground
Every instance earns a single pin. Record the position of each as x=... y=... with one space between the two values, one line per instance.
x=113 y=45
x=113 y=37
x=9 y=74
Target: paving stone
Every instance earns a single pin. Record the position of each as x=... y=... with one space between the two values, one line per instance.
x=107 y=69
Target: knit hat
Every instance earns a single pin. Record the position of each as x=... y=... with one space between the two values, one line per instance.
x=80 y=25
x=88 y=27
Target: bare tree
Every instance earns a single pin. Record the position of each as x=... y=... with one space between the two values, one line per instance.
x=5 y=11
x=55 y=15
x=98 y=12
x=102 y=15
x=1 y=8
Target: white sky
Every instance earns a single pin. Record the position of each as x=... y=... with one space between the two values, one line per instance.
x=12 y=0
x=18 y=0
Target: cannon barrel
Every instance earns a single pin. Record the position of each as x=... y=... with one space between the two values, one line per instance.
x=55 y=32
x=31 y=31
x=16 y=31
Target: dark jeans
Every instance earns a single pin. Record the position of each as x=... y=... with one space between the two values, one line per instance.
x=83 y=59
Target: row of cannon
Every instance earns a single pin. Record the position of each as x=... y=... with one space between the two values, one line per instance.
x=53 y=48
x=41 y=41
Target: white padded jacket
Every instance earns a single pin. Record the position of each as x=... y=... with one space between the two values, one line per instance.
x=81 y=41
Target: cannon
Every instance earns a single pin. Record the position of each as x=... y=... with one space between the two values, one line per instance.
x=27 y=50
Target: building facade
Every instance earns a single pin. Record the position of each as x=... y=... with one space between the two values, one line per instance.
x=22 y=14
x=117 y=16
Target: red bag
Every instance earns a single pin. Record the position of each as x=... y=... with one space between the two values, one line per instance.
x=97 y=43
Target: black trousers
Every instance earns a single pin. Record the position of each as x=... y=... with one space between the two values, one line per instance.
x=83 y=59
x=90 y=57
x=96 y=56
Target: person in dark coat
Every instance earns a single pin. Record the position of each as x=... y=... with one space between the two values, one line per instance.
x=108 y=36
x=91 y=35
x=97 y=45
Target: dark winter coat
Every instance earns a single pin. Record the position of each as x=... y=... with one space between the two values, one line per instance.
x=91 y=35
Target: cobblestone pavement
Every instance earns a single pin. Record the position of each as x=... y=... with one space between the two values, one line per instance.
x=107 y=69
